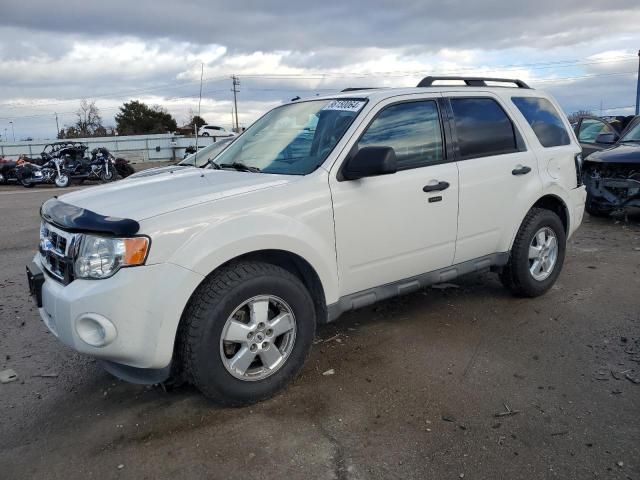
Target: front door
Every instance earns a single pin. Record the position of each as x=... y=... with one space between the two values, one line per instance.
x=392 y=227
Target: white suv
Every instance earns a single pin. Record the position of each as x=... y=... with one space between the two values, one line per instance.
x=214 y=131
x=220 y=276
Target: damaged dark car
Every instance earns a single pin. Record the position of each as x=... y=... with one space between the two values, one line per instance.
x=612 y=176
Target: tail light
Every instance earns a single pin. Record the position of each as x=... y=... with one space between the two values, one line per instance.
x=578 y=161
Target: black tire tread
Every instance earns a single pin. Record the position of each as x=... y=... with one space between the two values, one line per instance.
x=209 y=293
x=509 y=275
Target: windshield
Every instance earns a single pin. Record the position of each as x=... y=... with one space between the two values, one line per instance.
x=203 y=156
x=633 y=135
x=293 y=139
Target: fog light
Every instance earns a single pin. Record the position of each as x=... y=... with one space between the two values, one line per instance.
x=95 y=330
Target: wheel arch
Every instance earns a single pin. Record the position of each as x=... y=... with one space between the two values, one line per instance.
x=549 y=201
x=294 y=264
x=557 y=205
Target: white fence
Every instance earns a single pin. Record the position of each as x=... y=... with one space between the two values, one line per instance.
x=135 y=148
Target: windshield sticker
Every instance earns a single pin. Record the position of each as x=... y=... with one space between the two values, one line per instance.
x=345 y=105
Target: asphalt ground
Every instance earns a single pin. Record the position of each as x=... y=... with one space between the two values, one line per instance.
x=461 y=382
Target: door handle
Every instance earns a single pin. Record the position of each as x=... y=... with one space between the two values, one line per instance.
x=436 y=187
x=520 y=171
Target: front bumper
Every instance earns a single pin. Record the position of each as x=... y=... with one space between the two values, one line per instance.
x=614 y=192
x=139 y=308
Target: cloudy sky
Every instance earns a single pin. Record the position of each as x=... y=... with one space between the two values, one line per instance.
x=54 y=53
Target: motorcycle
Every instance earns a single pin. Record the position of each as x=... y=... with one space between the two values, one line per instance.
x=26 y=171
x=70 y=163
x=7 y=171
x=30 y=174
x=122 y=166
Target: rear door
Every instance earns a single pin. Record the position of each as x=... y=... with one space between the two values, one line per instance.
x=498 y=174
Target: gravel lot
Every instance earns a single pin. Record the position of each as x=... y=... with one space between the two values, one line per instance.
x=417 y=385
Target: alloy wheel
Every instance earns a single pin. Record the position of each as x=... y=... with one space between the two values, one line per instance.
x=257 y=338
x=543 y=253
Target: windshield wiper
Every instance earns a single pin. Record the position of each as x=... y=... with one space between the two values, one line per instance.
x=212 y=164
x=241 y=167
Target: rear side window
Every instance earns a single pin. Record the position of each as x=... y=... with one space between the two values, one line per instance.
x=483 y=128
x=412 y=129
x=544 y=120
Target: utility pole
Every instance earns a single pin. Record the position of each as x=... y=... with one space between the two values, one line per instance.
x=13 y=133
x=236 y=83
x=638 y=87
x=199 y=102
x=57 y=126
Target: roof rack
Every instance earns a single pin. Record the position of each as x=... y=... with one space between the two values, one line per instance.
x=472 y=81
x=355 y=89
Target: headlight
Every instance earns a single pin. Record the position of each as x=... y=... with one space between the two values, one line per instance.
x=101 y=257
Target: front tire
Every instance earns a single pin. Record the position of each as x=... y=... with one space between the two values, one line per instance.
x=537 y=254
x=62 y=181
x=108 y=177
x=246 y=333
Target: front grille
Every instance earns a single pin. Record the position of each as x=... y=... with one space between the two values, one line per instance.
x=56 y=252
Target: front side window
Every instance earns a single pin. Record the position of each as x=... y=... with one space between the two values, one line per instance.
x=412 y=129
x=544 y=120
x=590 y=128
x=293 y=139
x=483 y=128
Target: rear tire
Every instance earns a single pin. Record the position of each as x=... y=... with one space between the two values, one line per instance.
x=519 y=275
x=26 y=183
x=207 y=358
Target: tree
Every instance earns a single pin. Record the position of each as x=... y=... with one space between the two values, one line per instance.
x=575 y=116
x=137 y=118
x=89 y=123
x=195 y=120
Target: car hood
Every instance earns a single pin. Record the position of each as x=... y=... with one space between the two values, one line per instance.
x=146 y=197
x=620 y=153
x=156 y=170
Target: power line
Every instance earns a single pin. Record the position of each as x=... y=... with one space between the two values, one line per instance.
x=324 y=75
x=302 y=90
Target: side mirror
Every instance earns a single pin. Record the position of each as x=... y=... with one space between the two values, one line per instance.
x=370 y=162
x=607 y=138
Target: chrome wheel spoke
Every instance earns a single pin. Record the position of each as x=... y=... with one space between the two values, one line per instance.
x=241 y=360
x=271 y=357
x=535 y=268
x=283 y=323
x=541 y=238
x=236 y=332
x=552 y=243
x=259 y=311
x=534 y=252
